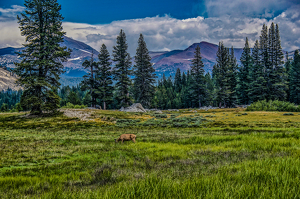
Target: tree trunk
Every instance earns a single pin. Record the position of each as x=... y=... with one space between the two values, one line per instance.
x=199 y=102
x=104 y=105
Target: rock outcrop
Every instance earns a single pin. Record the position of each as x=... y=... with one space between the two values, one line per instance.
x=137 y=107
x=8 y=80
x=207 y=108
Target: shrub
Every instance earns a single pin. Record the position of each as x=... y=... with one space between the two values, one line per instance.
x=18 y=107
x=272 y=106
x=4 y=107
x=288 y=114
x=70 y=105
x=160 y=115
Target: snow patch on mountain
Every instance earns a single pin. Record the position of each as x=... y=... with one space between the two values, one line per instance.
x=85 y=51
x=73 y=59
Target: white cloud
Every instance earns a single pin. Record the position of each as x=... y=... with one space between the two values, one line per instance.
x=10 y=13
x=10 y=35
x=163 y=33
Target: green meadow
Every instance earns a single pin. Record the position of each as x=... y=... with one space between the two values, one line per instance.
x=223 y=153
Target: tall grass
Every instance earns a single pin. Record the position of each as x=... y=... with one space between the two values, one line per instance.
x=56 y=158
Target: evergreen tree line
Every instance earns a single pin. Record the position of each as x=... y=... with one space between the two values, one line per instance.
x=98 y=83
x=263 y=74
x=9 y=100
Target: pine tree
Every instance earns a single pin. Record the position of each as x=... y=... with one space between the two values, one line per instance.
x=188 y=97
x=42 y=58
x=197 y=89
x=232 y=78
x=244 y=75
x=183 y=80
x=89 y=82
x=103 y=77
x=265 y=62
x=178 y=81
x=280 y=84
x=144 y=80
x=87 y=99
x=209 y=86
x=122 y=70
x=287 y=67
x=220 y=74
x=295 y=79
x=257 y=89
x=74 y=98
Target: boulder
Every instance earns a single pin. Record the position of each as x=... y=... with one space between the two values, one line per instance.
x=137 y=107
x=98 y=107
x=206 y=108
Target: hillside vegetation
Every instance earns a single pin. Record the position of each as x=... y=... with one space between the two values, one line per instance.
x=8 y=80
x=231 y=154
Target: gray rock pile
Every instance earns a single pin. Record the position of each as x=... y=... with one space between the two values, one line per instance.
x=208 y=108
x=173 y=110
x=137 y=107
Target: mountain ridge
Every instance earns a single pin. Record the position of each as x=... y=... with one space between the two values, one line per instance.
x=164 y=62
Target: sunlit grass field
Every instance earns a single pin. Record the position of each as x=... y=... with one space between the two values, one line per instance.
x=230 y=154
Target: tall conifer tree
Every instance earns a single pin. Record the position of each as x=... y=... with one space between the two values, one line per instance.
x=280 y=85
x=178 y=81
x=144 y=75
x=103 y=77
x=244 y=75
x=209 y=86
x=89 y=82
x=265 y=62
x=122 y=70
x=198 y=92
x=41 y=64
x=220 y=74
x=183 y=79
x=295 y=79
x=232 y=77
x=257 y=89
x=287 y=66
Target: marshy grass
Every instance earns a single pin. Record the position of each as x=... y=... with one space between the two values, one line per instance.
x=255 y=155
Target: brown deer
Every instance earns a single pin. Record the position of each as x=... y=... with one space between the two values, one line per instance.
x=126 y=137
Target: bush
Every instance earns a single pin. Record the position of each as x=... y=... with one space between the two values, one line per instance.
x=161 y=115
x=78 y=106
x=70 y=105
x=4 y=107
x=288 y=114
x=18 y=107
x=273 y=106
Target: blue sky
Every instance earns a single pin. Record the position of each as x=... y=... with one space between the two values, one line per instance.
x=106 y=11
x=166 y=24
